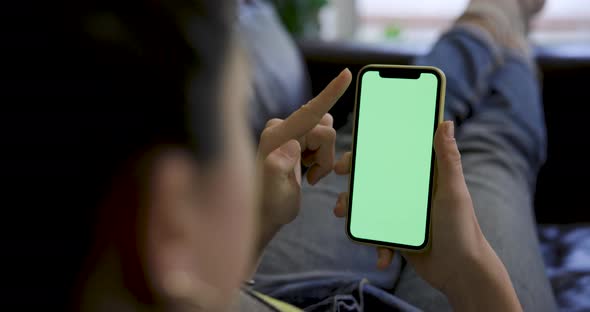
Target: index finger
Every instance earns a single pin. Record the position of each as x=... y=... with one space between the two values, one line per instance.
x=384 y=257
x=310 y=114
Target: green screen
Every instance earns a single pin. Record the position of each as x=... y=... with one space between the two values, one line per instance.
x=392 y=158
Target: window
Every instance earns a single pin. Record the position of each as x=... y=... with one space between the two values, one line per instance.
x=419 y=23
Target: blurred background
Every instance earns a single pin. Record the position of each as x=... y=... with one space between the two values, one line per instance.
x=416 y=24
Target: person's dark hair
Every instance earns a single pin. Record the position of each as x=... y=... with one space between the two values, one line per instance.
x=86 y=87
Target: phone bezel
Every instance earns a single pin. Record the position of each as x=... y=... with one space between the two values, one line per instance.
x=398 y=71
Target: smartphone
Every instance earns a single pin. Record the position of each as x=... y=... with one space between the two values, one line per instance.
x=397 y=111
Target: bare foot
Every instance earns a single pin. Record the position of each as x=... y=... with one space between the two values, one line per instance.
x=531 y=7
x=516 y=12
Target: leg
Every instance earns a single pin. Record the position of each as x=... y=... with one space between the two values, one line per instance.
x=494 y=96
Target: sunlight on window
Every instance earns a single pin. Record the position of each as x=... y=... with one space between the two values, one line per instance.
x=421 y=22
x=555 y=9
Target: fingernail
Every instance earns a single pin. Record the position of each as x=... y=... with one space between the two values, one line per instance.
x=450 y=130
x=311 y=179
x=381 y=265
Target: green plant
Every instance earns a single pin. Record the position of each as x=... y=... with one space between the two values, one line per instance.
x=299 y=16
x=392 y=31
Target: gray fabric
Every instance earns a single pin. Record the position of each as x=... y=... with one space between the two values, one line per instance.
x=280 y=81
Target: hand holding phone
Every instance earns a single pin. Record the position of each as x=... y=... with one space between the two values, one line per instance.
x=456 y=236
x=459 y=261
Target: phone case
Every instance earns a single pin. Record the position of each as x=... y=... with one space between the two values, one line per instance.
x=440 y=117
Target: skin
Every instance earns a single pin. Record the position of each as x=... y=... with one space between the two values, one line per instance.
x=307 y=137
x=202 y=220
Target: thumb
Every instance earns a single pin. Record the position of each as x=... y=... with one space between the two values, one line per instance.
x=284 y=161
x=450 y=171
x=292 y=150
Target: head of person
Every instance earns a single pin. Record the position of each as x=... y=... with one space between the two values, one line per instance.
x=127 y=154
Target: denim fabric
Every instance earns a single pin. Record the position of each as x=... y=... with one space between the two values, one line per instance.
x=566 y=250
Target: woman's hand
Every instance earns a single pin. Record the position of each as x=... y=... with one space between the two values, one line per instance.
x=459 y=254
x=307 y=137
